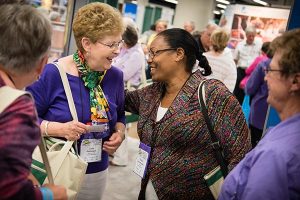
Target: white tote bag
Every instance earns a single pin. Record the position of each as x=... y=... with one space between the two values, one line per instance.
x=68 y=168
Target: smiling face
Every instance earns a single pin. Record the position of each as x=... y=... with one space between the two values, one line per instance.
x=161 y=60
x=100 y=54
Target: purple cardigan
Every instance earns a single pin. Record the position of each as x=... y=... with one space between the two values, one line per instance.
x=257 y=88
x=52 y=105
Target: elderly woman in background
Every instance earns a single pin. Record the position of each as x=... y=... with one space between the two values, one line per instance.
x=272 y=169
x=97 y=89
x=220 y=59
x=22 y=59
x=131 y=61
x=172 y=125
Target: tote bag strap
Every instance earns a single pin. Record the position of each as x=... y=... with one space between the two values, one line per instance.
x=215 y=142
x=71 y=104
x=9 y=95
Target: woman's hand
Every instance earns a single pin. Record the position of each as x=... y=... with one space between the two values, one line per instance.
x=70 y=130
x=73 y=130
x=59 y=192
x=114 y=142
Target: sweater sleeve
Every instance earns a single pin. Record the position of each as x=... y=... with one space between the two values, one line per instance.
x=19 y=135
x=229 y=122
x=43 y=90
x=255 y=80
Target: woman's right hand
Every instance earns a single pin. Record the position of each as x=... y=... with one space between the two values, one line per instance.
x=73 y=130
x=59 y=192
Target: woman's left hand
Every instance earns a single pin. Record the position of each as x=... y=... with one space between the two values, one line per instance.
x=113 y=143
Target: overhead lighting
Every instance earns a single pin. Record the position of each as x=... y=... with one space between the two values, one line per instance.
x=217 y=12
x=221 y=6
x=223 y=1
x=134 y=2
x=172 y=1
x=222 y=11
x=261 y=2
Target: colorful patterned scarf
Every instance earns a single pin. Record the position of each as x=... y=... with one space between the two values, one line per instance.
x=92 y=80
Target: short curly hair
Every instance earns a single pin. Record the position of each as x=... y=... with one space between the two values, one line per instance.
x=289 y=45
x=219 y=39
x=95 y=21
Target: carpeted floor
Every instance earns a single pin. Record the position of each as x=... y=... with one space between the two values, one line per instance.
x=123 y=183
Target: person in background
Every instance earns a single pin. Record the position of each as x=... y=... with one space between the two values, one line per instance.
x=160 y=25
x=272 y=169
x=181 y=151
x=145 y=36
x=204 y=43
x=131 y=61
x=220 y=59
x=21 y=61
x=257 y=88
x=244 y=54
x=97 y=89
x=189 y=26
x=203 y=40
x=262 y=57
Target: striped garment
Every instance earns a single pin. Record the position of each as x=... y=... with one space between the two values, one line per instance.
x=182 y=153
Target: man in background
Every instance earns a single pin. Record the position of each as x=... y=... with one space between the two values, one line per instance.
x=244 y=54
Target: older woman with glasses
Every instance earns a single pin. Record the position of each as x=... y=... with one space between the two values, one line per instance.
x=272 y=169
x=97 y=89
x=171 y=126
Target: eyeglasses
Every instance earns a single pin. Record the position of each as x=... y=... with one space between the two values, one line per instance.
x=115 y=45
x=152 y=54
x=267 y=69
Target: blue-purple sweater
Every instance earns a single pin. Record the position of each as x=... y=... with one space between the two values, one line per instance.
x=52 y=105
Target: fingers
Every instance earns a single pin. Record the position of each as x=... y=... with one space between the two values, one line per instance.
x=114 y=142
x=74 y=130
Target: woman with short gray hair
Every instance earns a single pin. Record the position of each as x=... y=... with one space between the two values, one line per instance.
x=25 y=41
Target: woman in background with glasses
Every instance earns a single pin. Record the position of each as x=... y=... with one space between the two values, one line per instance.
x=172 y=125
x=272 y=169
x=98 y=93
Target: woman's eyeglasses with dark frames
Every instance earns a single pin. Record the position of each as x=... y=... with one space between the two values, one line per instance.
x=267 y=69
x=152 y=54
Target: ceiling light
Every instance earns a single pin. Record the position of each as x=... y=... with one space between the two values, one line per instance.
x=172 y=1
x=134 y=2
x=261 y=2
x=223 y=1
x=217 y=12
x=221 y=6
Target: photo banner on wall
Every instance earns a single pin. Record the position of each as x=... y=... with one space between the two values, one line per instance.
x=269 y=22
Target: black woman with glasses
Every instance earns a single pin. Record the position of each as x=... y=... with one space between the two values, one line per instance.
x=272 y=169
x=98 y=93
x=172 y=129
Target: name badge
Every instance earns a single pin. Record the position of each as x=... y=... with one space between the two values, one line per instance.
x=91 y=150
x=142 y=160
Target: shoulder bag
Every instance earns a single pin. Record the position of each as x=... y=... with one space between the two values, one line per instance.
x=214 y=178
x=67 y=167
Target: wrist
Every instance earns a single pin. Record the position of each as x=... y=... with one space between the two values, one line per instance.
x=47 y=194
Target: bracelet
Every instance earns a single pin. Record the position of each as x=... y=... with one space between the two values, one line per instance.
x=46 y=128
x=47 y=194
